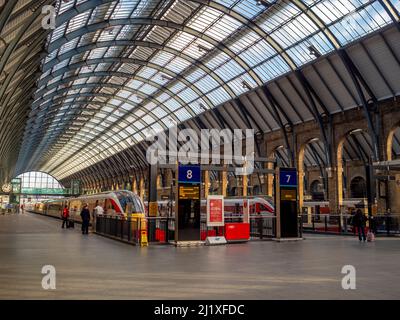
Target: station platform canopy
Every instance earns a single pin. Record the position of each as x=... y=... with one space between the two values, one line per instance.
x=114 y=72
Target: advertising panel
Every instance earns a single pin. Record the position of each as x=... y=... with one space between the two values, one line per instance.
x=215 y=211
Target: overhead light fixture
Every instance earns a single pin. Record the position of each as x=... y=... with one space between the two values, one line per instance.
x=202 y=107
x=266 y=3
x=165 y=77
x=245 y=85
x=314 y=51
x=202 y=48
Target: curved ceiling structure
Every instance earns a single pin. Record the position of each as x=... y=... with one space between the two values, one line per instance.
x=116 y=72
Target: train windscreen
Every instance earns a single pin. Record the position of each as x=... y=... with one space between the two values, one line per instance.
x=127 y=199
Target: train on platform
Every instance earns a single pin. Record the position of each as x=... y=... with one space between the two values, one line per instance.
x=259 y=205
x=115 y=203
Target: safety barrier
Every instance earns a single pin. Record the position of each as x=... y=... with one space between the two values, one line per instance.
x=120 y=228
x=10 y=211
x=381 y=224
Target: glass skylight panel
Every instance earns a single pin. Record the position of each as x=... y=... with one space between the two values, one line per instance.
x=124 y=9
x=97 y=53
x=138 y=126
x=331 y=10
x=78 y=22
x=188 y=95
x=178 y=65
x=177 y=87
x=127 y=106
x=294 y=31
x=223 y=28
x=182 y=114
x=148 y=89
x=162 y=58
x=109 y=34
x=156 y=127
x=159 y=112
x=301 y=53
x=257 y=53
x=198 y=48
x=160 y=78
x=396 y=4
x=148 y=119
x=229 y=70
x=163 y=97
x=217 y=60
x=134 y=84
x=58 y=32
x=147 y=72
x=199 y=106
x=204 y=19
x=247 y=8
x=360 y=23
x=172 y=104
x=272 y=68
x=124 y=94
x=218 y=96
x=279 y=15
x=206 y=84
x=128 y=67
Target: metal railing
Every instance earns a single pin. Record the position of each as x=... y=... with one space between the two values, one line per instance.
x=159 y=229
x=380 y=224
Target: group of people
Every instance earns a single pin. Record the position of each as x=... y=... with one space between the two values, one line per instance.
x=85 y=216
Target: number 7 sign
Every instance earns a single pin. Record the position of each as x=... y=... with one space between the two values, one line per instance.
x=288 y=177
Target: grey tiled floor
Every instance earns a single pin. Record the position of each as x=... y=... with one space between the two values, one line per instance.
x=93 y=267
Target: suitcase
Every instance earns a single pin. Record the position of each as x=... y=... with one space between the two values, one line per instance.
x=71 y=224
x=370 y=236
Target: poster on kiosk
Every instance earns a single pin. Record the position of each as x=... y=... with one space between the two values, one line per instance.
x=215 y=218
x=215 y=211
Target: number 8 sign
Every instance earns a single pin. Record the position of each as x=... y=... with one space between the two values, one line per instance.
x=189 y=174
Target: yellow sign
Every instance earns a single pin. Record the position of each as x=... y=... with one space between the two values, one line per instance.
x=143 y=239
x=153 y=209
x=288 y=195
x=143 y=233
x=189 y=192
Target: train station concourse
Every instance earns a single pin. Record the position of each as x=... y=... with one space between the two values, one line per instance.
x=199 y=150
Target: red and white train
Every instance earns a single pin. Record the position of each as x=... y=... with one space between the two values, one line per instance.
x=115 y=203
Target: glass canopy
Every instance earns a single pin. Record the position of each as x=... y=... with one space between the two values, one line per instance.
x=119 y=71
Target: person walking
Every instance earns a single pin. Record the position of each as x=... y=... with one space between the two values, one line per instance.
x=65 y=216
x=98 y=211
x=85 y=215
x=359 y=224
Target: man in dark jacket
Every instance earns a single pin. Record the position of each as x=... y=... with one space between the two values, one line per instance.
x=85 y=215
x=359 y=223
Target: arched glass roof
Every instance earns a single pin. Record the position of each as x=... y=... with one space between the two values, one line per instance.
x=118 y=71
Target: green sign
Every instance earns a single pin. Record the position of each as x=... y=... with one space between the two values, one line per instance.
x=44 y=191
x=16 y=185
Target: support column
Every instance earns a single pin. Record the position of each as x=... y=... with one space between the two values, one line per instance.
x=154 y=180
x=134 y=185
x=224 y=183
x=206 y=183
x=245 y=183
x=141 y=187
x=332 y=176
x=269 y=181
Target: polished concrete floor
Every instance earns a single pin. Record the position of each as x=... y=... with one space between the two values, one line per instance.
x=93 y=267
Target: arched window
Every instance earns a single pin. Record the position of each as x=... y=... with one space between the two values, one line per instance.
x=39 y=180
x=317 y=190
x=358 y=188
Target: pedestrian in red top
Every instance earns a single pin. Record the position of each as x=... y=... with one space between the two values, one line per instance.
x=65 y=216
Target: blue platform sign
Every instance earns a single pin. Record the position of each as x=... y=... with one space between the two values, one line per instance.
x=189 y=174
x=288 y=178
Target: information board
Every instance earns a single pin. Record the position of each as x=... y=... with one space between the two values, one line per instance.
x=215 y=211
x=189 y=192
